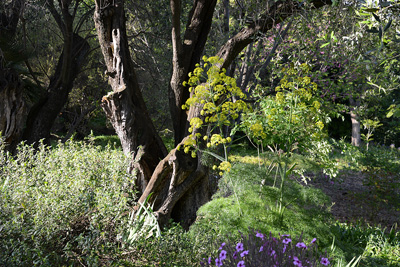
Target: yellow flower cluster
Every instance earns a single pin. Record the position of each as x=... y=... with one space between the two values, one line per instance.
x=258 y=131
x=224 y=166
x=217 y=139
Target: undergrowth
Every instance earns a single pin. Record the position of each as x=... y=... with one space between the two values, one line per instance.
x=70 y=205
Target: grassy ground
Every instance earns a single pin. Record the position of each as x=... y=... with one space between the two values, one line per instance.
x=69 y=205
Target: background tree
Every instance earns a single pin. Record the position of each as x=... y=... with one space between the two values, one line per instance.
x=13 y=108
x=74 y=52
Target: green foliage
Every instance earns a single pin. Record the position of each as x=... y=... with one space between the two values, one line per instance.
x=175 y=247
x=370 y=126
x=62 y=205
x=258 y=201
x=377 y=246
x=292 y=118
x=142 y=224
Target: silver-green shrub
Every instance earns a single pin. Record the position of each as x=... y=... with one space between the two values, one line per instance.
x=63 y=204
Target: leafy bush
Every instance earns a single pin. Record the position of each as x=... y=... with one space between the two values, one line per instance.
x=257 y=250
x=61 y=205
x=378 y=246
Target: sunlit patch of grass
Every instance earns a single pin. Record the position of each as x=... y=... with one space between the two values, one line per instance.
x=254 y=207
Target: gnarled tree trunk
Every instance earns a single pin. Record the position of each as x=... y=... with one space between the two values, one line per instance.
x=125 y=107
x=179 y=184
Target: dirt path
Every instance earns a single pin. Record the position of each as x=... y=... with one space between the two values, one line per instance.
x=355 y=201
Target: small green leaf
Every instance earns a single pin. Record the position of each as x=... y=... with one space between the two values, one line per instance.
x=325 y=44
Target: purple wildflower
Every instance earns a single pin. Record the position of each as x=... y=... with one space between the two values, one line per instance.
x=222 y=255
x=313 y=241
x=235 y=255
x=218 y=262
x=286 y=241
x=296 y=261
x=261 y=248
x=284 y=248
x=222 y=245
x=301 y=245
x=209 y=260
x=325 y=261
x=241 y=264
x=260 y=235
x=272 y=252
x=239 y=247
x=244 y=253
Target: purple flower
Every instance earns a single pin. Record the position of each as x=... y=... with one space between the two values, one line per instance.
x=284 y=249
x=261 y=248
x=301 y=245
x=222 y=255
x=244 y=253
x=222 y=245
x=325 y=261
x=272 y=252
x=241 y=264
x=209 y=260
x=313 y=241
x=218 y=262
x=286 y=241
x=235 y=255
x=296 y=261
x=260 y=235
x=239 y=247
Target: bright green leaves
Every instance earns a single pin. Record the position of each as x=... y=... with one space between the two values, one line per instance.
x=290 y=119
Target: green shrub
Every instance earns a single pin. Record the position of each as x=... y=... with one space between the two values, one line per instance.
x=61 y=205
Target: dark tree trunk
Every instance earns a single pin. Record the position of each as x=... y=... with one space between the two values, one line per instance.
x=43 y=114
x=75 y=51
x=13 y=108
x=186 y=54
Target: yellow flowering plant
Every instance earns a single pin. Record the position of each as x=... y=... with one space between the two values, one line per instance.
x=290 y=119
x=220 y=102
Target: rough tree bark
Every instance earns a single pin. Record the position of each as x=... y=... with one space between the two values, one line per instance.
x=75 y=50
x=13 y=108
x=179 y=184
x=124 y=106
